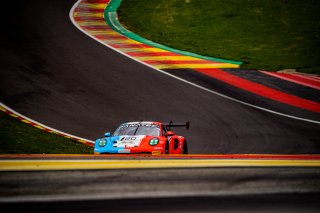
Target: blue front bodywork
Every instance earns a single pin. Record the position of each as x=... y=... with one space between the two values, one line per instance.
x=108 y=148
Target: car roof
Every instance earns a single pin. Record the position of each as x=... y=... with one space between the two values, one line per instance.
x=143 y=122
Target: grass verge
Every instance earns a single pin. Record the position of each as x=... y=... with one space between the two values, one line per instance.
x=265 y=35
x=17 y=137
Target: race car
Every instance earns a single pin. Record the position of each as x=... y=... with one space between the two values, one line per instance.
x=143 y=137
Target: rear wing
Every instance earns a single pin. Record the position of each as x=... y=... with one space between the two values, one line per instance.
x=171 y=124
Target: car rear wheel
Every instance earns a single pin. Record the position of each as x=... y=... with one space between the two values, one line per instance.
x=184 y=148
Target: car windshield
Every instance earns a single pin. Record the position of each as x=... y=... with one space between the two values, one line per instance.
x=138 y=129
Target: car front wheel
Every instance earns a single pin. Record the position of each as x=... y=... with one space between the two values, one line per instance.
x=167 y=148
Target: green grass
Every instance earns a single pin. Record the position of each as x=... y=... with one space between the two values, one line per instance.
x=17 y=137
x=265 y=35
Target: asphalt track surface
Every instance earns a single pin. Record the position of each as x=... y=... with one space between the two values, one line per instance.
x=158 y=190
x=263 y=203
x=54 y=74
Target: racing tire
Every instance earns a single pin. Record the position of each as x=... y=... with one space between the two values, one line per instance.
x=166 y=149
x=184 y=149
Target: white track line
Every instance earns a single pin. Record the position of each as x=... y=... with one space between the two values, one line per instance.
x=183 y=80
x=311 y=78
x=292 y=80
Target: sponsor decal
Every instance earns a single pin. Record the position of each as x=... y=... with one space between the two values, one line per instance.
x=129 y=141
x=156 y=152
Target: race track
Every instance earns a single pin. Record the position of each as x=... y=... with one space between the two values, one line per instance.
x=54 y=74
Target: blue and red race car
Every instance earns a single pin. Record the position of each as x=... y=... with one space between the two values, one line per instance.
x=143 y=138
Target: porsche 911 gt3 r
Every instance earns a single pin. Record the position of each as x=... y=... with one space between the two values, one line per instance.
x=143 y=138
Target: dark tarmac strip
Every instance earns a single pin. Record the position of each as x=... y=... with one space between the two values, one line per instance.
x=169 y=190
x=54 y=74
x=261 y=203
x=277 y=84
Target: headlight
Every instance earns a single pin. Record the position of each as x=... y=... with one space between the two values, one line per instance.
x=102 y=142
x=154 y=141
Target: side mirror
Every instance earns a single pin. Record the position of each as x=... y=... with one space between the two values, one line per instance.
x=169 y=133
x=108 y=134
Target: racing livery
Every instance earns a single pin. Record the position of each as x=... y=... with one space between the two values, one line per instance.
x=143 y=138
